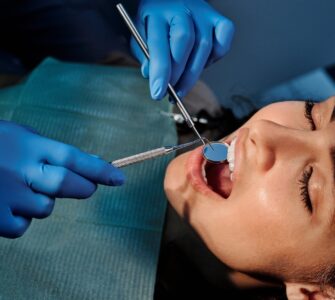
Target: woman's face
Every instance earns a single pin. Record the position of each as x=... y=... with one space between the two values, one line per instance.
x=276 y=215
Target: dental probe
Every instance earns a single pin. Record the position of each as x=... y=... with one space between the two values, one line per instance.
x=145 y=50
x=123 y=162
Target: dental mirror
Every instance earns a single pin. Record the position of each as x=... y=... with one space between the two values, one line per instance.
x=215 y=152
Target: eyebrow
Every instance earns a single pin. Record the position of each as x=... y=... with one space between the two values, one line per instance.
x=332 y=149
x=332 y=155
x=333 y=115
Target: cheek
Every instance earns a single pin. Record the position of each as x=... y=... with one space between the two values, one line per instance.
x=260 y=212
x=269 y=208
x=248 y=223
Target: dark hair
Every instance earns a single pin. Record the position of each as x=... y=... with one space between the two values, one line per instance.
x=326 y=278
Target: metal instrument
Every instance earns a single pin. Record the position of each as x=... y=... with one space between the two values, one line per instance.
x=134 y=159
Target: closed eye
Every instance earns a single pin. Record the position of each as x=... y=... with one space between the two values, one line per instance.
x=308 y=113
x=304 y=183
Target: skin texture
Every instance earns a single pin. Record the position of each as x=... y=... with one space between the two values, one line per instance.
x=264 y=225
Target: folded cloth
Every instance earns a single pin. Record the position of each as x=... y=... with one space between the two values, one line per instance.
x=106 y=247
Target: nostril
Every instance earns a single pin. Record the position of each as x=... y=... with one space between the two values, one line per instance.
x=261 y=147
x=265 y=159
x=253 y=141
x=261 y=132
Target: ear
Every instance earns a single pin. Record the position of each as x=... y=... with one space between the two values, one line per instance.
x=300 y=291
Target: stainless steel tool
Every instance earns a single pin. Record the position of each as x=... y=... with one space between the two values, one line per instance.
x=137 y=158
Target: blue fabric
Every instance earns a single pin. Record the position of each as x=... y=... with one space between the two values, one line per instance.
x=106 y=247
x=315 y=85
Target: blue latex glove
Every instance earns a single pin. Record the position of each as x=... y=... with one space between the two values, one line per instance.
x=34 y=170
x=183 y=37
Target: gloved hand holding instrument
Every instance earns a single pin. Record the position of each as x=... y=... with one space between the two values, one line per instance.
x=183 y=37
x=34 y=170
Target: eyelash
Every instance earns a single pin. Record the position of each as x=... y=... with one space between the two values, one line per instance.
x=306 y=176
x=308 y=113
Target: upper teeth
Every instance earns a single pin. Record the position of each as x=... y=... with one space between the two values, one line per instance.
x=231 y=155
x=204 y=172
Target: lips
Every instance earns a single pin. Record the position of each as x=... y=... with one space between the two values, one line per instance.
x=208 y=178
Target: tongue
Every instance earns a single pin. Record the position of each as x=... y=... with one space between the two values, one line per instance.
x=218 y=178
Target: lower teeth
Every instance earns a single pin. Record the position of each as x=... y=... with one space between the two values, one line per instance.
x=204 y=173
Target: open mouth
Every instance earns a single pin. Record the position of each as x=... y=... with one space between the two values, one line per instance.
x=208 y=177
x=218 y=178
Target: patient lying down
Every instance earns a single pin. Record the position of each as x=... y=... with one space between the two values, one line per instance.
x=276 y=208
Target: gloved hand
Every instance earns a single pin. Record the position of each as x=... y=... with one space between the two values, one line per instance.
x=183 y=36
x=34 y=170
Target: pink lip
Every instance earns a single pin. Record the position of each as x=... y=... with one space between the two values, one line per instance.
x=194 y=165
x=194 y=174
x=194 y=169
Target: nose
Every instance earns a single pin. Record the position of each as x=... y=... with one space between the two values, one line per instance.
x=274 y=142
